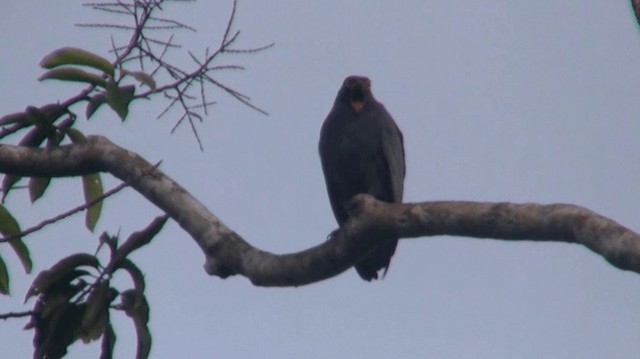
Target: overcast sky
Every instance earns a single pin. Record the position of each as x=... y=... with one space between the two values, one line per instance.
x=498 y=100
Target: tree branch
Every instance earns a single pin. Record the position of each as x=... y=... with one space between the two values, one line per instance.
x=5 y=316
x=370 y=222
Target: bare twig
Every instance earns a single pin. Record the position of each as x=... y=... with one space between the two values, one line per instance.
x=64 y=215
x=144 y=49
x=186 y=89
x=5 y=316
x=72 y=211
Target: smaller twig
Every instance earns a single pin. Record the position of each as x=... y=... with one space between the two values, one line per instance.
x=195 y=131
x=159 y=42
x=168 y=107
x=227 y=67
x=6 y=131
x=248 y=51
x=109 y=6
x=5 y=316
x=73 y=211
x=229 y=24
x=195 y=59
x=114 y=11
x=230 y=41
x=163 y=27
x=108 y=26
x=205 y=105
x=203 y=98
x=168 y=44
x=175 y=23
x=203 y=95
x=237 y=95
x=114 y=48
x=64 y=215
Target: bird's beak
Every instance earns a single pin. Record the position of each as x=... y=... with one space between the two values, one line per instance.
x=357 y=97
x=357 y=105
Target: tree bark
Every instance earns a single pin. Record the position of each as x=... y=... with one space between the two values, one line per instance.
x=370 y=221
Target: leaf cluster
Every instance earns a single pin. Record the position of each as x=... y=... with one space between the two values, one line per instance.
x=50 y=126
x=75 y=299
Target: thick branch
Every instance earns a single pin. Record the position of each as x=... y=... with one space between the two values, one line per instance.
x=371 y=221
x=508 y=221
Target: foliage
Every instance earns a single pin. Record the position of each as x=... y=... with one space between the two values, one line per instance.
x=75 y=297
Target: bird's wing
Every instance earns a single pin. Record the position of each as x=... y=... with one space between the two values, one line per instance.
x=393 y=152
x=329 y=158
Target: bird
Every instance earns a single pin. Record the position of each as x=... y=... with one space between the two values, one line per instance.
x=362 y=151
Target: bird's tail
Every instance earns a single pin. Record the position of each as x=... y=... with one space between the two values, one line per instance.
x=378 y=259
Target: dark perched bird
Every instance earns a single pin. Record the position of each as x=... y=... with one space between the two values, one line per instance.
x=361 y=150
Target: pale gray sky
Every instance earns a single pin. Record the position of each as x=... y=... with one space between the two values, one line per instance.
x=498 y=101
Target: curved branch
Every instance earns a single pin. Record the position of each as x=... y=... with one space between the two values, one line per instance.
x=370 y=222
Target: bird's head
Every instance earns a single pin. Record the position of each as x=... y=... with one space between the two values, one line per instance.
x=356 y=92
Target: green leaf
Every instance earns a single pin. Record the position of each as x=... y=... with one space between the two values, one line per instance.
x=4 y=278
x=23 y=253
x=143 y=77
x=41 y=121
x=76 y=56
x=95 y=317
x=61 y=273
x=92 y=185
x=94 y=104
x=37 y=186
x=65 y=124
x=73 y=74
x=9 y=227
x=58 y=136
x=50 y=111
x=139 y=239
x=37 y=134
x=51 y=284
x=75 y=260
x=54 y=334
x=53 y=111
x=135 y=305
x=136 y=275
x=53 y=304
x=18 y=117
x=8 y=181
x=34 y=138
x=119 y=98
x=75 y=135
